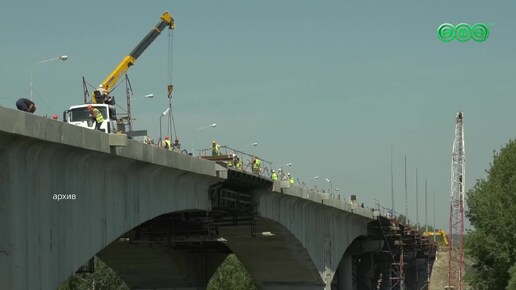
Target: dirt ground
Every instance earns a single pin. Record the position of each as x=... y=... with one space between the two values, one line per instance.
x=439 y=277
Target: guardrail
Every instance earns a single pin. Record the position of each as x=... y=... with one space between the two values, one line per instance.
x=246 y=160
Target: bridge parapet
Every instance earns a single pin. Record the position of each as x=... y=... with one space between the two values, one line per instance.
x=322 y=198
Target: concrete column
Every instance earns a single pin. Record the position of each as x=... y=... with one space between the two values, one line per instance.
x=345 y=274
x=365 y=272
x=422 y=274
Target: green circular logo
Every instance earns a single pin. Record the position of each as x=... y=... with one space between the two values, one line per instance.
x=445 y=32
x=463 y=32
x=479 y=32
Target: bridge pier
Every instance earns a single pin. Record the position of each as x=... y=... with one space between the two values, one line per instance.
x=365 y=272
x=345 y=273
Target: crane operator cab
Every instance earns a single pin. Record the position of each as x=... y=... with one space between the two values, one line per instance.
x=80 y=116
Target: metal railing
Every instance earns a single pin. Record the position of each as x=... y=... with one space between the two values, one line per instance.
x=161 y=144
x=246 y=160
x=389 y=213
x=265 y=169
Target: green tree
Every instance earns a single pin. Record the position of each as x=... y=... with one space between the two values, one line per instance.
x=512 y=281
x=492 y=243
x=104 y=278
x=402 y=219
x=231 y=275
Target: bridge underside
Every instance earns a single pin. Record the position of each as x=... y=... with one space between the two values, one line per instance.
x=160 y=265
x=182 y=250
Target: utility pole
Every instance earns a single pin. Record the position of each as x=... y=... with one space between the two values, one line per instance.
x=433 y=208
x=417 y=202
x=417 y=226
x=406 y=193
x=426 y=207
x=392 y=185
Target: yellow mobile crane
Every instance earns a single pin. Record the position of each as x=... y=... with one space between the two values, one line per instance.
x=78 y=115
x=113 y=78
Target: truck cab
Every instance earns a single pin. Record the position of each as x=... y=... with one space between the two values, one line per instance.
x=80 y=116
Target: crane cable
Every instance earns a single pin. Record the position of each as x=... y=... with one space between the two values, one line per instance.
x=170 y=78
x=170 y=55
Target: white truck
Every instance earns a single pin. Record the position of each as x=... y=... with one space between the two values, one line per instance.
x=80 y=116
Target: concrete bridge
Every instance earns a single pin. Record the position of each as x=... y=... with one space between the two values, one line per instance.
x=166 y=220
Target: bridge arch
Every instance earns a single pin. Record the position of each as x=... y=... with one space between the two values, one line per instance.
x=269 y=246
x=46 y=239
x=325 y=231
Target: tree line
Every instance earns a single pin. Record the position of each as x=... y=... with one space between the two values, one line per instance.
x=231 y=275
x=492 y=212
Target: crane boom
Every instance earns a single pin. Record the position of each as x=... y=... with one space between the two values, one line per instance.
x=124 y=65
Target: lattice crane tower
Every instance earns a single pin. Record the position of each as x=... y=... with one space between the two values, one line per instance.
x=455 y=248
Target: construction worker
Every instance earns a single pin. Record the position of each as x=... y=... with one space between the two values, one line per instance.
x=281 y=174
x=232 y=161
x=237 y=162
x=25 y=105
x=100 y=94
x=256 y=165
x=176 y=144
x=291 y=179
x=274 y=175
x=168 y=145
x=96 y=115
x=215 y=149
x=102 y=90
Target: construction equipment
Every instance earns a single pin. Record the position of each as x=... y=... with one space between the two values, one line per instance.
x=440 y=233
x=113 y=78
x=77 y=115
x=455 y=248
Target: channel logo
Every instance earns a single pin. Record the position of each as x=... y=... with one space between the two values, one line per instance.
x=463 y=32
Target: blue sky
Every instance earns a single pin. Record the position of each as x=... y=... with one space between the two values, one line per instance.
x=326 y=85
